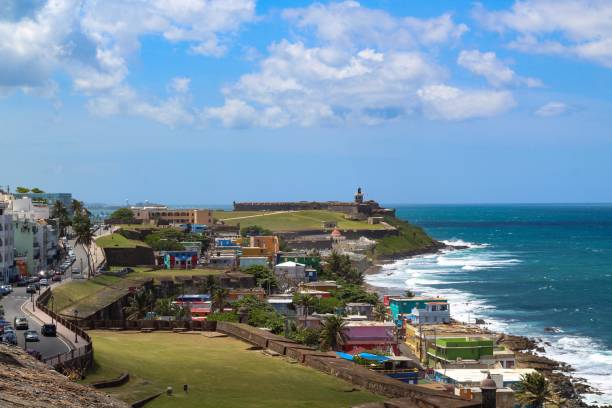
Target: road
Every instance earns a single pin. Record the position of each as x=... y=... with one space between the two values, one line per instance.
x=47 y=346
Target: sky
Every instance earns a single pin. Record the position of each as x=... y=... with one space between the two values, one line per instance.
x=204 y=101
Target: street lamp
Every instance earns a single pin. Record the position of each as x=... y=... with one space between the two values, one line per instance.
x=32 y=300
x=52 y=300
x=25 y=340
x=76 y=315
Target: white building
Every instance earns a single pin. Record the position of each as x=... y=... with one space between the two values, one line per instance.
x=26 y=208
x=7 y=242
x=289 y=274
x=433 y=313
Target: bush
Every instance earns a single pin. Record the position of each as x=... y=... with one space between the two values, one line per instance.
x=223 y=317
x=309 y=337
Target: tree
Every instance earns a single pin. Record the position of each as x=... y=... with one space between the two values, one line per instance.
x=254 y=230
x=308 y=302
x=139 y=305
x=219 y=299
x=340 y=267
x=332 y=333
x=380 y=312
x=209 y=285
x=264 y=277
x=23 y=190
x=77 y=207
x=60 y=212
x=37 y=190
x=534 y=390
x=164 y=307
x=409 y=294
x=125 y=215
x=84 y=237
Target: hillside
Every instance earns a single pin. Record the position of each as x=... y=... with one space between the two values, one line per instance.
x=26 y=382
x=412 y=240
x=283 y=221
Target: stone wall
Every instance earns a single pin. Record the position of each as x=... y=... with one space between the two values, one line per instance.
x=129 y=256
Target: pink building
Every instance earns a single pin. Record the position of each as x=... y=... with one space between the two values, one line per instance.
x=370 y=335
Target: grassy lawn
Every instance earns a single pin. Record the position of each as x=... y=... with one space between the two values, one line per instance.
x=221 y=372
x=88 y=296
x=410 y=238
x=293 y=221
x=118 y=241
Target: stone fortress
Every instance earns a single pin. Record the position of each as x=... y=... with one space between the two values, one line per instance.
x=358 y=209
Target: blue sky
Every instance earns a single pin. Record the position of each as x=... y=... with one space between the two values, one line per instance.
x=199 y=101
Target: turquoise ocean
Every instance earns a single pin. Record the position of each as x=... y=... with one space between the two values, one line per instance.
x=527 y=268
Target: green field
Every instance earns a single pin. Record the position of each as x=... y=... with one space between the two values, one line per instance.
x=292 y=221
x=410 y=238
x=118 y=241
x=88 y=296
x=221 y=372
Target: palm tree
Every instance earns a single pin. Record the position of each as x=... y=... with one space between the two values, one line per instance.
x=534 y=390
x=139 y=305
x=409 y=294
x=60 y=212
x=332 y=333
x=306 y=301
x=164 y=307
x=84 y=237
x=218 y=301
x=380 y=312
x=209 y=285
x=77 y=207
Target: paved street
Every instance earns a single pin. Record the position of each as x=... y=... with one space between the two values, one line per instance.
x=48 y=346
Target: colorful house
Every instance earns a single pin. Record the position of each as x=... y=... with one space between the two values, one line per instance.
x=430 y=313
x=312 y=261
x=246 y=261
x=269 y=243
x=401 y=307
x=451 y=350
x=370 y=335
x=180 y=259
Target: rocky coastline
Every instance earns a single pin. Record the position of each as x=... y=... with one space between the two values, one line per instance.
x=529 y=351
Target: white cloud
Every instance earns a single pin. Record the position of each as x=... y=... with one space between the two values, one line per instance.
x=574 y=28
x=449 y=103
x=552 y=109
x=180 y=84
x=495 y=71
x=362 y=66
x=94 y=41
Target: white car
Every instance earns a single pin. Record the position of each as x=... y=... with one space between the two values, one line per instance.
x=43 y=282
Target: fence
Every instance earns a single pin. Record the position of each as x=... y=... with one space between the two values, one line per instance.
x=151 y=324
x=82 y=356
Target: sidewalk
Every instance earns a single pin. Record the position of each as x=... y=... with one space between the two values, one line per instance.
x=63 y=332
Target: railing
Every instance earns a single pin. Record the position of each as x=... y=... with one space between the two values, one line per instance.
x=85 y=352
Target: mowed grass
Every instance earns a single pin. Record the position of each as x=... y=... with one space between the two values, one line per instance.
x=221 y=372
x=294 y=221
x=118 y=241
x=89 y=295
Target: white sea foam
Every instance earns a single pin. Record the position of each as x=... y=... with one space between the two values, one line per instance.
x=426 y=275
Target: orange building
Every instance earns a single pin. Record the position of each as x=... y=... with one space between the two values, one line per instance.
x=269 y=243
x=173 y=216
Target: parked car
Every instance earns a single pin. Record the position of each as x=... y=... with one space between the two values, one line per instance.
x=21 y=283
x=57 y=273
x=31 y=289
x=6 y=289
x=33 y=279
x=56 y=278
x=49 y=330
x=44 y=282
x=20 y=323
x=10 y=338
x=31 y=336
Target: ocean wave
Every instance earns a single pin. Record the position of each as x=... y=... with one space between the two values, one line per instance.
x=462 y=243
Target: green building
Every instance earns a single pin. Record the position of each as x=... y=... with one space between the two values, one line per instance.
x=452 y=349
x=312 y=261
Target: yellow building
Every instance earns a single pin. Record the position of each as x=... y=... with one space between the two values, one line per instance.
x=173 y=216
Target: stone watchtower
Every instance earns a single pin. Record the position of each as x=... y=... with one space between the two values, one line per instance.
x=359 y=196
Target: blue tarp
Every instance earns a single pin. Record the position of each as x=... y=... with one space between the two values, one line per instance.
x=345 y=356
x=373 y=357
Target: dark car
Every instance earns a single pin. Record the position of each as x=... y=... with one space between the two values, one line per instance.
x=21 y=283
x=48 y=330
x=31 y=289
x=56 y=278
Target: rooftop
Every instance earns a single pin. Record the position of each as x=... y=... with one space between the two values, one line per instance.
x=474 y=375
